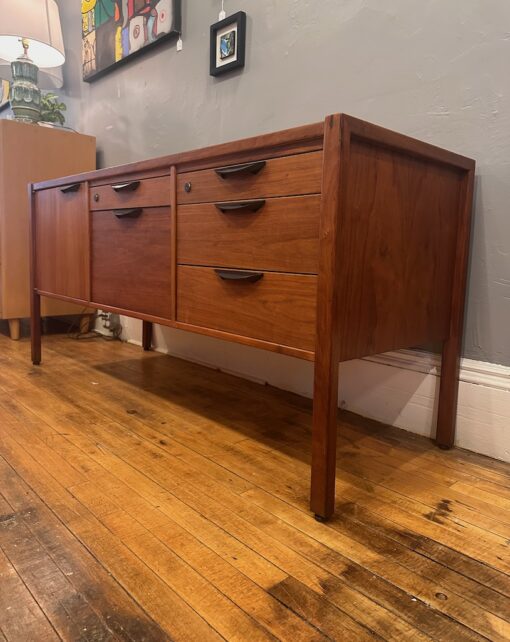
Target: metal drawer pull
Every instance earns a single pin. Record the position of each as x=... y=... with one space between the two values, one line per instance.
x=131 y=213
x=241 y=206
x=241 y=170
x=126 y=187
x=70 y=188
x=237 y=275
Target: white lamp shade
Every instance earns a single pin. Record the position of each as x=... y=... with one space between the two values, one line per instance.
x=38 y=21
x=48 y=78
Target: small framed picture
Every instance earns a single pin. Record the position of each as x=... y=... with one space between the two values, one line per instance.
x=228 y=44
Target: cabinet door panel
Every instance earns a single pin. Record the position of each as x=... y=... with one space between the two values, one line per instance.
x=131 y=260
x=62 y=253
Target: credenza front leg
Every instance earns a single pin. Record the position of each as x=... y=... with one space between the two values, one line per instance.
x=35 y=328
x=450 y=364
x=147 y=335
x=448 y=392
x=324 y=432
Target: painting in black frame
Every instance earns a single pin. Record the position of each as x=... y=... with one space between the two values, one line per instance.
x=114 y=31
x=228 y=44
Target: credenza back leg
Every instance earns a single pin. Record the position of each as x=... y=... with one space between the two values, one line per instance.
x=146 y=335
x=324 y=435
x=448 y=391
x=35 y=328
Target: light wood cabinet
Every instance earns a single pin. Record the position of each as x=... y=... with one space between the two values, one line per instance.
x=31 y=153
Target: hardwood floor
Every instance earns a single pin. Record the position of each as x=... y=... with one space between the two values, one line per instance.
x=146 y=498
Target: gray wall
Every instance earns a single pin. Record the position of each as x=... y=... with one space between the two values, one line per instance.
x=436 y=70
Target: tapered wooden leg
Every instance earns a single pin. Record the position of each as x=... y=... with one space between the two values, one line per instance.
x=324 y=435
x=448 y=392
x=35 y=328
x=327 y=348
x=450 y=364
x=14 y=329
x=147 y=335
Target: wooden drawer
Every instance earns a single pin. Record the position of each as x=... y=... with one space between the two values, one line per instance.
x=131 y=263
x=287 y=176
x=279 y=308
x=280 y=234
x=149 y=192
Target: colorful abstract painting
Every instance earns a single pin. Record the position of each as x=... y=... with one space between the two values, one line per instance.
x=115 y=30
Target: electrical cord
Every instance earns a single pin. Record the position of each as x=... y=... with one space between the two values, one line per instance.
x=92 y=334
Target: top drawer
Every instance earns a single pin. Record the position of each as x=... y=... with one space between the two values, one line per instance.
x=149 y=192
x=287 y=176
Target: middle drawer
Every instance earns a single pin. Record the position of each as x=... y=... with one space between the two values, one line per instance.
x=147 y=192
x=279 y=234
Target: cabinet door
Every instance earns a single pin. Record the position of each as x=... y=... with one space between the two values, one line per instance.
x=62 y=254
x=131 y=260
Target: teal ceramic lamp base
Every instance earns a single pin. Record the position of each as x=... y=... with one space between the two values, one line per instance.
x=25 y=97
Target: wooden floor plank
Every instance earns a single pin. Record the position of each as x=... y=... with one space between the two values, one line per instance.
x=351 y=602
x=186 y=489
x=21 y=618
x=123 y=617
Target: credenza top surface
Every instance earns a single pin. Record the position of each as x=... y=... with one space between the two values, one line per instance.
x=289 y=141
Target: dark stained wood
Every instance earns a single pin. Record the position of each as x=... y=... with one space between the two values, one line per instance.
x=146 y=335
x=387 y=247
x=193 y=498
x=400 y=225
x=21 y=617
x=61 y=229
x=82 y=594
x=150 y=192
x=35 y=299
x=279 y=308
x=35 y=327
x=393 y=140
x=131 y=261
x=283 y=235
x=290 y=351
x=450 y=365
x=173 y=240
x=327 y=341
x=296 y=140
x=287 y=176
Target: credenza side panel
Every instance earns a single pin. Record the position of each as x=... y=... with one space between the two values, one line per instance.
x=62 y=242
x=398 y=247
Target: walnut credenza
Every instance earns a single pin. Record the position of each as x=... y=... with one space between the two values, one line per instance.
x=327 y=242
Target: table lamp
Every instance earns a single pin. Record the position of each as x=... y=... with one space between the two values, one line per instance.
x=30 y=37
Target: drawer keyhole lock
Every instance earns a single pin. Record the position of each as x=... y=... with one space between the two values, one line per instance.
x=96 y=197
x=187 y=187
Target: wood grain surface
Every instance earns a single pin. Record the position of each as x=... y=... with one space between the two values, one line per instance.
x=62 y=237
x=287 y=176
x=279 y=308
x=182 y=513
x=131 y=261
x=283 y=235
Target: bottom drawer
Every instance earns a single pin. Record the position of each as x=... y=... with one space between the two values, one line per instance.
x=131 y=264
x=271 y=306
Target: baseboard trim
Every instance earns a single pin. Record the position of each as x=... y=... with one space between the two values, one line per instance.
x=397 y=388
x=477 y=372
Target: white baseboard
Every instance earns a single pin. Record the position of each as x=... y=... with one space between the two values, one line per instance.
x=396 y=388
